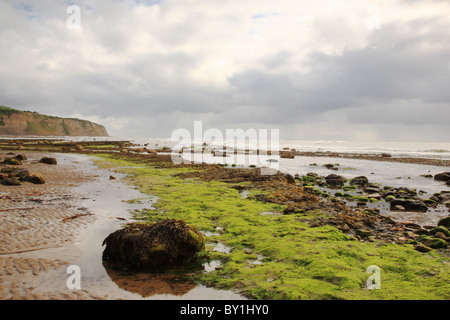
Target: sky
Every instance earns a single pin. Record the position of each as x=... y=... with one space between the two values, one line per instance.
x=365 y=70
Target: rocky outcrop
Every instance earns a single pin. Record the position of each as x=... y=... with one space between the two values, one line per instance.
x=165 y=244
x=15 y=123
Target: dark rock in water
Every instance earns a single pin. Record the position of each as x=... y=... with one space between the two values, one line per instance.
x=165 y=244
x=445 y=222
x=48 y=160
x=335 y=180
x=444 y=176
x=287 y=155
x=359 y=181
x=409 y=205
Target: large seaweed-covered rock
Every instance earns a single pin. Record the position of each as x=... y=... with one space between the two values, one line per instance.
x=409 y=205
x=167 y=243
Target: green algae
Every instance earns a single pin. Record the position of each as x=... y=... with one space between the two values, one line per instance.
x=298 y=261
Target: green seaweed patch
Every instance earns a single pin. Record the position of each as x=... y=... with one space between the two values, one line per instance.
x=300 y=261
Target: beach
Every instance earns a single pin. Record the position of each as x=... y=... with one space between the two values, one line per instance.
x=48 y=227
x=36 y=218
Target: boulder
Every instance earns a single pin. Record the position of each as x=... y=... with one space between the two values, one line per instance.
x=20 y=157
x=422 y=248
x=287 y=155
x=289 y=178
x=335 y=180
x=12 y=161
x=11 y=181
x=440 y=229
x=359 y=181
x=165 y=244
x=409 y=205
x=445 y=222
x=35 y=178
x=20 y=173
x=48 y=160
x=444 y=176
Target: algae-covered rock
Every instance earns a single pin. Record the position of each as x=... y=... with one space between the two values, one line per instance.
x=12 y=161
x=359 y=181
x=48 y=160
x=35 y=178
x=167 y=243
x=442 y=229
x=445 y=222
x=11 y=181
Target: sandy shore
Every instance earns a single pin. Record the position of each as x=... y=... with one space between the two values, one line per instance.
x=32 y=219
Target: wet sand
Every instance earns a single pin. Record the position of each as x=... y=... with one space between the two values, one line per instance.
x=32 y=221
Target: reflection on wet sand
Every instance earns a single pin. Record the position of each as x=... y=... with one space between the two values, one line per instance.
x=150 y=284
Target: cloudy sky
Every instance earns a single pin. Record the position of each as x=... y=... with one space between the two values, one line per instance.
x=370 y=70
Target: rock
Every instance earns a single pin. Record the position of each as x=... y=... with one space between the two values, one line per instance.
x=78 y=147
x=287 y=155
x=421 y=231
x=35 y=178
x=372 y=190
x=386 y=155
x=20 y=157
x=12 y=161
x=444 y=176
x=20 y=173
x=359 y=181
x=374 y=196
x=445 y=222
x=11 y=181
x=363 y=233
x=441 y=229
x=335 y=180
x=289 y=178
x=398 y=208
x=436 y=243
x=440 y=235
x=167 y=243
x=48 y=160
x=422 y=248
x=409 y=205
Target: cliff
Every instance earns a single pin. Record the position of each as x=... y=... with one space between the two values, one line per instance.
x=16 y=122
